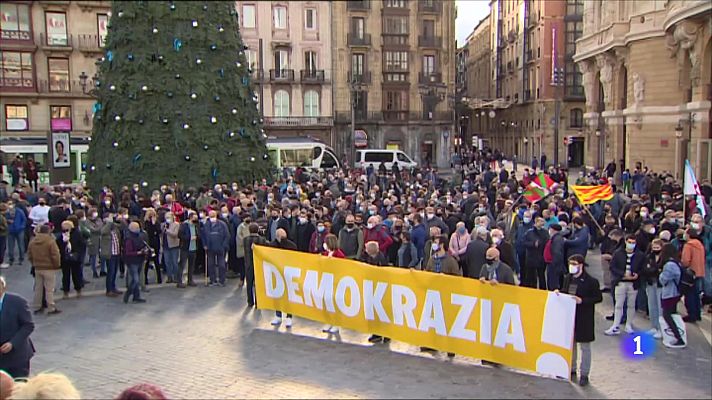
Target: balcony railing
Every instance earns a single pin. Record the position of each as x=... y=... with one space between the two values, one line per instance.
x=430 y=41
x=395 y=39
x=62 y=42
x=16 y=35
x=356 y=40
x=312 y=75
x=530 y=55
x=361 y=77
x=527 y=95
x=257 y=75
x=90 y=43
x=432 y=116
x=433 y=6
x=281 y=75
x=66 y=87
x=396 y=115
x=430 y=77
x=358 y=5
x=299 y=121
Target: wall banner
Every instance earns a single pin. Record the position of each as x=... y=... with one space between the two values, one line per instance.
x=520 y=327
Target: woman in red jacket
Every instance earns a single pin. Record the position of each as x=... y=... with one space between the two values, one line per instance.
x=331 y=249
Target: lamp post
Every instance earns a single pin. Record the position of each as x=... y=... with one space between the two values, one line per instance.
x=356 y=86
x=431 y=95
x=83 y=81
x=684 y=142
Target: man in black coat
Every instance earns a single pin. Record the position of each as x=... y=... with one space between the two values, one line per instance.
x=534 y=241
x=475 y=254
x=16 y=325
x=555 y=271
x=626 y=263
x=281 y=241
x=588 y=293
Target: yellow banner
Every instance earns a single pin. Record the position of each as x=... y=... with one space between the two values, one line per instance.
x=520 y=327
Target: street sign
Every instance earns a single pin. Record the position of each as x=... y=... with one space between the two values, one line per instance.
x=360 y=138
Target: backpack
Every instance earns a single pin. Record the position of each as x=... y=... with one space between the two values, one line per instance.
x=548 y=257
x=687 y=279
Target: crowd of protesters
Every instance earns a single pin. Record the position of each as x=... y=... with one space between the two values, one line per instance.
x=471 y=222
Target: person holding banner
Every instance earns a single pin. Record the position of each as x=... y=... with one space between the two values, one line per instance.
x=249 y=242
x=494 y=271
x=282 y=242
x=587 y=291
x=331 y=249
x=373 y=256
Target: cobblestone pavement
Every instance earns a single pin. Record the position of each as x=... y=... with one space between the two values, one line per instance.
x=204 y=343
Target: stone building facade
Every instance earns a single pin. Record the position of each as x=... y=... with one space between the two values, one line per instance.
x=49 y=50
x=394 y=64
x=646 y=72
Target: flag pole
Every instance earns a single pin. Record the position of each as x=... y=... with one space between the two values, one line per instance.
x=585 y=208
x=684 y=199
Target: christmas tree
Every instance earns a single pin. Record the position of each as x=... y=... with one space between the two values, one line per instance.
x=174 y=99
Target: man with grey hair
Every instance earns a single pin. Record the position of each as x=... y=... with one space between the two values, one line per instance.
x=16 y=325
x=474 y=257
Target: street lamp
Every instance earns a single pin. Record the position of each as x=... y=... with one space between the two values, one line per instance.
x=83 y=81
x=432 y=95
x=357 y=87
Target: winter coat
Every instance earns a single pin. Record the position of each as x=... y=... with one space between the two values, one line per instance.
x=243 y=231
x=94 y=227
x=379 y=234
x=43 y=252
x=618 y=263
x=534 y=242
x=133 y=246
x=316 y=242
x=252 y=239
x=693 y=256
x=588 y=289
x=504 y=273
x=448 y=265
x=437 y=221
x=407 y=255
x=475 y=257
x=419 y=235
x=215 y=236
x=351 y=243
x=78 y=245
x=169 y=236
x=19 y=221
x=557 y=252
x=304 y=234
x=285 y=244
x=578 y=244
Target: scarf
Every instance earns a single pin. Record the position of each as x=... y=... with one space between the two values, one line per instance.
x=492 y=270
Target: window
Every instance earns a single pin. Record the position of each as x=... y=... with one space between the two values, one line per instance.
x=15 y=21
x=16 y=118
x=576 y=118
x=102 y=20
x=396 y=25
x=360 y=103
x=574 y=80
x=574 y=7
x=16 y=69
x=378 y=157
x=280 y=17
x=310 y=18
x=281 y=103
x=357 y=27
x=395 y=3
x=56 y=25
x=311 y=103
x=428 y=28
x=296 y=157
x=403 y=158
x=573 y=32
x=281 y=60
x=60 y=118
x=396 y=100
x=251 y=58
x=328 y=160
x=396 y=61
x=248 y=16
x=58 y=74
x=310 y=61
x=428 y=65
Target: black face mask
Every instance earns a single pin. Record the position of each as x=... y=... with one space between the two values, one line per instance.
x=490 y=262
x=350 y=225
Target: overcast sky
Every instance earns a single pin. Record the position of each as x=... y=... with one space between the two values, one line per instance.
x=469 y=14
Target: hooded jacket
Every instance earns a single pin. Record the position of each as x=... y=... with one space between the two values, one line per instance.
x=43 y=252
x=693 y=256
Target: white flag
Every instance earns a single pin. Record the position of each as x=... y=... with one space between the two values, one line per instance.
x=692 y=188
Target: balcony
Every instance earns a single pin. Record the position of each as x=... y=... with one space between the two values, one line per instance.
x=311 y=75
x=257 y=75
x=363 y=5
x=56 y=44
x=430 y=41
x=398 y=40
x=64 y=87
x=512 y=36
x=391 y=115
x=89 y=44
x=510 y=66
x=91 y=5
x=59 y=4
x=361 y=77
x=281 y=75
x=429 y=77
x=298 y=121
x=433 y=6
x=530 y=56
x=356 y=40
x=25 y=36
x=527 y=95
x=427 y=115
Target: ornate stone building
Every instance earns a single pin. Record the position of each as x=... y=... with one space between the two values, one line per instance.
x=646 y=74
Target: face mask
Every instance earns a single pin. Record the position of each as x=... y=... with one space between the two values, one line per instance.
x=350 y=225
x=213 y=219
x=490 y=261
x=274 y=217
x=431 y=216
x=461 y=230
x=574 y=269
x=369 y=226
x=643 y=214
x=527 y=220
x=302 y=220
x=658 y=209
x=651 y=230
x=497 y=240
x=169 y=219
x=94 y=215
x=320 y=229
x=435 y=247
x=681 y=221
x=630 y=246
x=108 y=203
x=695 y=226
x=371 y=212
x=656 y=251
x=225 y=215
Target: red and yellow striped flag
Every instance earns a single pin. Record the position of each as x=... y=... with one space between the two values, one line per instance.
x=592 y=194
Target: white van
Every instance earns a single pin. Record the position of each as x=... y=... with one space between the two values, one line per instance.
x=301 y=152
x=376 y=156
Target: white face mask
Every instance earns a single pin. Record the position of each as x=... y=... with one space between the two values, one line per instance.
x=436 y=247
x=574 y=269
x=431 y=216
x=214 y=219
x=369 y=226
x=695 y=226
x=497 y=240
x=651 y=230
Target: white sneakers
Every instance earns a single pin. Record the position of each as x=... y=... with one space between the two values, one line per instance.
x=277 y=321
x=629 y=328
x=4 y=266
x=612 y=331
x=287 y=322
x=655 y=333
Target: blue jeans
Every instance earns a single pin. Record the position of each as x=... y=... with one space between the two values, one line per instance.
x=18 y=238
x=654 y=306
x=170 y=257
x=92 y=264
x=216 y=260
x=692 y=301
x=133 y=286
x=113 y=265
x=641 y=301
x=3 y=246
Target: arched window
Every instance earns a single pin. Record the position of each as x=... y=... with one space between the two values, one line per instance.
x=281 y=103
x=311 y=103
x=576 y=118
